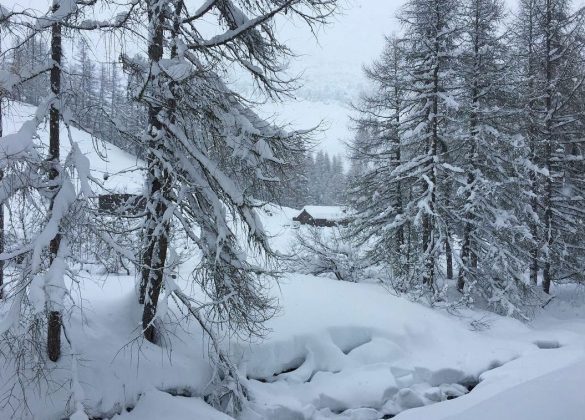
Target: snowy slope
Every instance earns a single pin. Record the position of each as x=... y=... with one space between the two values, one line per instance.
x=544 y=384
x=114 y=367
x=343 y=350
x=336 y=350
x=354 y=351
x=115 y=169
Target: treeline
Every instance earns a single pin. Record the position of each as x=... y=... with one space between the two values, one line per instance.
x=100 y=96
x=317 y=179
x=469 y=159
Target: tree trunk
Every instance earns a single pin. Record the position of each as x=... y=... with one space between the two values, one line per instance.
x=548 y=188
x=448 y=249
x=146 y=257
x=534 y=250
x=1 y=205
x=468 y=256
x=449 y=253
x=429 y=222
x=398 y=152
x=464 y=258
x=54 y=324
x=532 y=138
x=154 y=257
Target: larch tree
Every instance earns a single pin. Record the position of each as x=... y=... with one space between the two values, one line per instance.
x=561 y=124
x=548 y=41
x=198 y=131
x=430 y=31
x=45 y=182
x=525 y=35
x=377 y=193
x=492 y=257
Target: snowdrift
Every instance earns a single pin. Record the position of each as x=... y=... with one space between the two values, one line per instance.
x=336 y=350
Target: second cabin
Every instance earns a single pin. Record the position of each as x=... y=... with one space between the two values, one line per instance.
x=322 y=216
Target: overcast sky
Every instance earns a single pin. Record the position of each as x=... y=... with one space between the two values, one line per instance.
x=331 y=63
x=332 y=67
x=353 y=37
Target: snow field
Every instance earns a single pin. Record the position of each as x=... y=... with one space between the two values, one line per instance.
x=336 y=350
x=342 y=347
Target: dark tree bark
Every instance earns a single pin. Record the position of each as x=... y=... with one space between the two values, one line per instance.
x=1 y=206
x=1 y=217
x=532 y=133
x=429 y=222
x=473 y=122
x=548 y=187
x=157 y=230
x=54 y=324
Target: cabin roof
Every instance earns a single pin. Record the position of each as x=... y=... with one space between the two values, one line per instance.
x=326 y=212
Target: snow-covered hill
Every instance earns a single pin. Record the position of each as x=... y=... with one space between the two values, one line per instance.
x=115 y=169
x=336 y=350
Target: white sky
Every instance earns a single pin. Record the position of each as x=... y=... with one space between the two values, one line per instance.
x=332 y=67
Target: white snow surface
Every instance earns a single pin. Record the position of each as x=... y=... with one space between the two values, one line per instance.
x=362 y=353
x=116 y=170
x=335 y=350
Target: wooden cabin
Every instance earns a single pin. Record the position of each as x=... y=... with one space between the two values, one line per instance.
x=322 y=216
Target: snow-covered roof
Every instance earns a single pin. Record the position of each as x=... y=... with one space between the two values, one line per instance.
x=326 y=212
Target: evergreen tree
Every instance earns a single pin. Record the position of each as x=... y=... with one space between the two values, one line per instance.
x=551 y=82
x=492 y=261
x=431 y=28
x=29 y=58
x=83 y=86
x=376 y=191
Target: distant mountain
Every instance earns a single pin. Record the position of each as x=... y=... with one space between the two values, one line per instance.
x=331 y=68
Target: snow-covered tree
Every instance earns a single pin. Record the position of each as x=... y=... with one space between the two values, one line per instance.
x=492 y=258
x=326 y=179
x=81 y=85
x=327 y=251
x=29 y=52
x=430 y=31
x=548 y=41
x=47 y=180
x=197 y=127
x=377 y=192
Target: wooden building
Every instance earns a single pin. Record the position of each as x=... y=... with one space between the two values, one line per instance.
x=322 y=216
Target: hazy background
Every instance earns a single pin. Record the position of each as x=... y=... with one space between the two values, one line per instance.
x=330 y=63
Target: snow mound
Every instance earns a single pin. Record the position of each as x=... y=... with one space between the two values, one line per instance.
x=339 y=347
x=155 y=404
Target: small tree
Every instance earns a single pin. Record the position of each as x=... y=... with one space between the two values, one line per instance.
x=377 y=193
x=327 y=251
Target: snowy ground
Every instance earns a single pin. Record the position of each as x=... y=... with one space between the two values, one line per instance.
x=336 y=350
x=115 y=169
